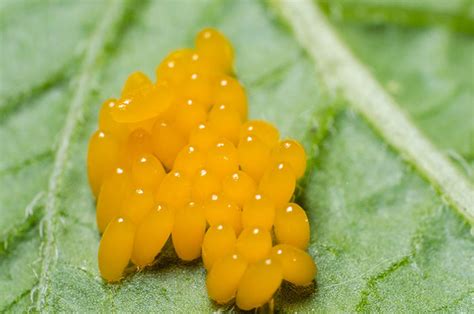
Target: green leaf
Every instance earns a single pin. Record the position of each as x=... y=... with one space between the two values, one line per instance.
x=441 y=68
x=456 y=14
x=384 y=112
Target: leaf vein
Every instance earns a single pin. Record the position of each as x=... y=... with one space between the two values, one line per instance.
x=382 y=11
x=12 y=169
x=15 y=103
x=9 y=306
x=275 y=74
x=32 y=214
x=416 y=244
x=48 y=248
x=372 y=281
x=343 y=73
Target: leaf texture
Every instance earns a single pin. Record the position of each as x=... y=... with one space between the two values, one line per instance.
x=384 y=235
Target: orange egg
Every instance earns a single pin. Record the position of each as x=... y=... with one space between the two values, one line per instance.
x=188 y=231
x=229 y=92
x=213 y=44
x=102 y=158
x=167 y=142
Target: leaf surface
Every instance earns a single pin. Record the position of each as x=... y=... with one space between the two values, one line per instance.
x=383 y=233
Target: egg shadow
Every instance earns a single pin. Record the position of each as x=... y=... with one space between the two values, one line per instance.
x=168 y=259
x=292 y=294
x=287 y=294
x=298 y=293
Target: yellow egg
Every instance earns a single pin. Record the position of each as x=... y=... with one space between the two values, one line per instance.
x=115 y=248
x=102 y=158
x=147 y=171
x=254 y=244
x=146 y=125
x=178 y=156
x=202 y=137
x=204 y=185
x=138 y=143
x=225 y=122
x=254 y=156
x=219 y=241
x=109 y=125
x=229 y=92
x=189 y=114
x=278 y=183
x=169 y=115
x=110 y=200
x=265 y=131
x=189 y=161
x=188 y=231
x=258 y=284
x=136 y=83
x=137 y=203
x=238 y=187
x=291 y=152
x=221 y=211
x=222 y=158
x=145 y=105
x=204 y=64
x=212 y=43
x=224 y=277
x=292 y=226
x=297 y=265
x=152 y=234
x=259 y=212
x=167 y=142
x=197 y=86
x=173 y=67
x=174 y=190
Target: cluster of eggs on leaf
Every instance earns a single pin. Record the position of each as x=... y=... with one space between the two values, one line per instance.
x=178 y=158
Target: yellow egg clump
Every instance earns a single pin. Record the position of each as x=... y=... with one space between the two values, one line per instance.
x=178 y=161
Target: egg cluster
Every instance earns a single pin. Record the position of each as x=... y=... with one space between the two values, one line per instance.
x=179 y=158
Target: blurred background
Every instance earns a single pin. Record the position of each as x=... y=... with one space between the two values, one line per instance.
x=384 y=238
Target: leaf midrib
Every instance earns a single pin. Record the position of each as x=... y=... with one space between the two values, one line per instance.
x=343 y=74
x=97 y=44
